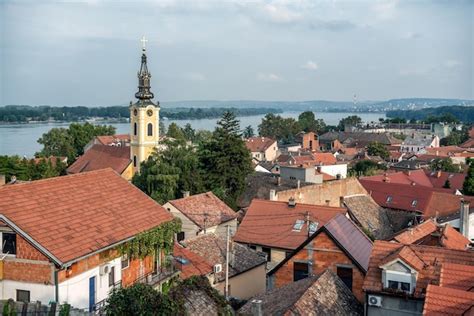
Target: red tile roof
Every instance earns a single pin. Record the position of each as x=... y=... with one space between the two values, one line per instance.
x=445 y=151
x=468 y=143
x=74 y=216
x=429 y=201
x=270 y=223
x=438 y=179
x=427 y=260
x=429 y=233
x=325 y=159
x=205 y=209
x=418 y=177
x=111 y=139
x=457 y=276
x=101 y=157
x=446 y=301
x=196 y=265
x=259 y=144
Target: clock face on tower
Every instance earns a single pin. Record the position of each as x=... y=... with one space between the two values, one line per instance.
x=149 y=112
x=135 y=112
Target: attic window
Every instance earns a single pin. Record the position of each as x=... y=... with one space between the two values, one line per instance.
x=313 y=227
x=389 y=199
x=298 y=225
x=413 y=203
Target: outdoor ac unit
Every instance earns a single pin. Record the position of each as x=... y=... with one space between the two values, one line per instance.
x=103 y=270
x=375 y=300
x=217 y=268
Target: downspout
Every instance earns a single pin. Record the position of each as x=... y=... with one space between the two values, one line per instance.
x=56 y=285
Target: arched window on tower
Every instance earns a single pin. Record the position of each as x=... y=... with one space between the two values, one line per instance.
x=150 y=129
x=135 y=129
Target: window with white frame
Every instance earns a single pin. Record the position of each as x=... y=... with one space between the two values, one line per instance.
x=399 y=277
x=125 y=262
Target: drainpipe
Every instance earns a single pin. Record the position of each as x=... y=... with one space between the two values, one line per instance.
x=56 y=285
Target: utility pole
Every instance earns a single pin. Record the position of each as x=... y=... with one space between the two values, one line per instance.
x=226 y=291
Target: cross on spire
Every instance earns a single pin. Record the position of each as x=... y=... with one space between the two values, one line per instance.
x=144 y=41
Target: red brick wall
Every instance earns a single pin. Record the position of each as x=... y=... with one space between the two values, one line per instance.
x=28 y=272
x=326 y=255
x=136 y=269
x=25 y=250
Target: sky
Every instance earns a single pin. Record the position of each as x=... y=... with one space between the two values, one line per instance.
x=88 y=52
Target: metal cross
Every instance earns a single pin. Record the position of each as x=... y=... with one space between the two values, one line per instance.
x=143 y=40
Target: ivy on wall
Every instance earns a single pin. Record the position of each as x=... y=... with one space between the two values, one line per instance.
x=146 y=243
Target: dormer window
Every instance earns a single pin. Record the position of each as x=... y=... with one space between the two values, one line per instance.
x=399 y=277
x=389 y=199
x=413 y=203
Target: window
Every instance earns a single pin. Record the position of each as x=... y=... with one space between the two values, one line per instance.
x=405 y=286
x=268 y=251
x=393 y=285
x=9 y=243
x=345 y=274
x=253 y=247
x=112 y=276
x=135 y=129
x=134 y=161
x=413 y=203
x=313 y=227
x=300 y=271
x=125 y=262
x=180 y=236
x=298 y=225
x=400 y=286
x=150 y=129
x=389 y=199
x=23 y=296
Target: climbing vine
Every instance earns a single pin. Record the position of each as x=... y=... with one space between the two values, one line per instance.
x=145 y=243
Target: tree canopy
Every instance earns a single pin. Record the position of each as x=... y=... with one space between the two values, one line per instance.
x=308 y=123
x=352 y=120
x=445 y=164
x=468 y=185
x=279 y=128
x=30 y=169
x=378 y=149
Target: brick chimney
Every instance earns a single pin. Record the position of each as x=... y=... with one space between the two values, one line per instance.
x=256 y=307
x=272 y=196
x=291 y=202
x=464 y=218
x=2 y=179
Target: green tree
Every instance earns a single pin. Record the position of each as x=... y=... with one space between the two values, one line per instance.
x=352 y=120
x=169 y=172
x=308 y=122
x=162 y=128
x=468 y=185
x=365 y=168
x=224 y=160
x=174 y=131
x=248 y=132
x=24 y=169
x=446 y=165
x=455 y=137
x=279 y=128
x=378 y=149
x=202 y=136
x=189 y=132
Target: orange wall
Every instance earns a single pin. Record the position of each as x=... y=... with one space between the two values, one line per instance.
x=326 y=255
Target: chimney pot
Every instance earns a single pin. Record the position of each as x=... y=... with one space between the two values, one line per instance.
x=256 y=307
x=186 y=194
x=291 y=202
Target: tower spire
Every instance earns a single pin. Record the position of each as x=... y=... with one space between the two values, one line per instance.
x=144 y=94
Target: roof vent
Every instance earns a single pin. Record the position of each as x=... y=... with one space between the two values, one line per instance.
x=291 y=202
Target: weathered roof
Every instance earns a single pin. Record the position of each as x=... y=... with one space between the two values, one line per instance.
x=205 y=209
x=457 y=276
x=259 y=144
x=431 y=258
x=418 y=140
x=76 y=215
x=325 y=294
x=271 y=223
x=359 y=139
x=195 y=265
x=101 y=157
x=447 y=301
x=259 y=184
x=111 y=139
x=213 y=248
x=368 y=214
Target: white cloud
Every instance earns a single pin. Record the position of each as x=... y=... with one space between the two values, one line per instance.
x=269 y=77
x=280 y=13
x=451 y=63
x=195 y=76
x=310 y=65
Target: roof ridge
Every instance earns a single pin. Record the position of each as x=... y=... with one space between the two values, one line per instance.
x=298 y=203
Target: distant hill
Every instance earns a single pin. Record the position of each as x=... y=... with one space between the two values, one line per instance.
x=462 y=113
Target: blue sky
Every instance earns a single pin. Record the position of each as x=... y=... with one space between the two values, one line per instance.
x=88 y=52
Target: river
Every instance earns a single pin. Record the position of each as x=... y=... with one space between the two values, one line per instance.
x=20 y=139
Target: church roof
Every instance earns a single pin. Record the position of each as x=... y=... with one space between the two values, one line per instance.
x=101 y=157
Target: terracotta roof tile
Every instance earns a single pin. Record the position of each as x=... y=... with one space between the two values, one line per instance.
x=270 y=223
x=111 y=139
x=196 y=265
x=447 y=301
x=73 y=216
x=259 y=144
x=451 y=238
x=205 y=209
x=414 y=234
x=457 y=276
x=432 y=257
x=101 y=157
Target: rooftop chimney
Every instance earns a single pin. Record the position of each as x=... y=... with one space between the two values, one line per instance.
x=185 y=194
x=438 y=174
x=464 y=218
x=291 y=202
x=298 y=184
x=256 y=307
x=272 y=195
x=2 y=179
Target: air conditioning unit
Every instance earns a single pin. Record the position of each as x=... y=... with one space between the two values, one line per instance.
x=217 y=268
x=375 y=301
x=103 y=270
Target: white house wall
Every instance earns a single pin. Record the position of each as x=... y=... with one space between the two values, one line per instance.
x=75 y=290
x=38 y=292
x=187 y=226
x=455 y=224
x=336 y=169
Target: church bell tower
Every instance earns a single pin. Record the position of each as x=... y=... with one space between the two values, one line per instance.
x=144 y=118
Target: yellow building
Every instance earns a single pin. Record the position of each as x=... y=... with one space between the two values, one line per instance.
x=144 y=118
